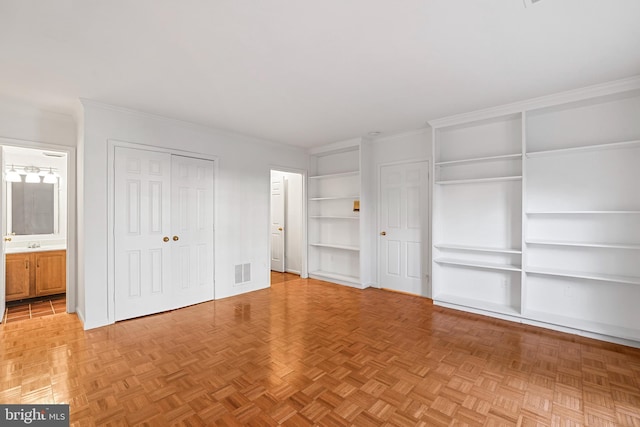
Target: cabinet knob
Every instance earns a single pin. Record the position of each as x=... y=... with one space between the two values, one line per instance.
x=383 y=233
x=279 y=228
x=165 y=239
x=176 y=238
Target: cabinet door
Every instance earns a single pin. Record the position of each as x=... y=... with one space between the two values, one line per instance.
x=17 y=268
x=51 y=277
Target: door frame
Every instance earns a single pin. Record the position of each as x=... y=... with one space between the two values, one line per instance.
x=111 y=265
x=303 y=267
x=72 y=287
x=426 y=261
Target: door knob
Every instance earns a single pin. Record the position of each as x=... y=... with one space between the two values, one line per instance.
x=383 y=233
x=279 y=228
x=7 y=239
x=176 y=238
x=165 y=239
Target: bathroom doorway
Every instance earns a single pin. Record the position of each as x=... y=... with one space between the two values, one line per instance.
x=35 y=218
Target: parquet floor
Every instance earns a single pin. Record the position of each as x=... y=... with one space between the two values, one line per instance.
x=305 y=352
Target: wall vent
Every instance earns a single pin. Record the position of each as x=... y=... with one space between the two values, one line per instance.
x=243 y=273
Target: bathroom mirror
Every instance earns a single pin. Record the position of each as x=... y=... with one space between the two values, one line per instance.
x=33 y=209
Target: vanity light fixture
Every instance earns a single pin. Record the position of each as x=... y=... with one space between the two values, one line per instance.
x=33 y=175
x=12 y=175
x=49 y=177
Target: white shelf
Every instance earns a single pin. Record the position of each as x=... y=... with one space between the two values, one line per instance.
x=331 y=246
x=336 y=175
x=583 y=244
x=479 y=180
x=334 y=198
x=478 y=248
x=583 y=325
x=334 y=217
x=479 y=159
x=477 y=304
x=585 y=148
x=335 y=276
x=478 y=264
x=582 y=212
x=582 y=275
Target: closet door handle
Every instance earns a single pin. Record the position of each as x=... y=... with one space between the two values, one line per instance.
x=176 y=238
x=165 y=239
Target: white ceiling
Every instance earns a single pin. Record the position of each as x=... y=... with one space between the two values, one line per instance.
x=310 y=72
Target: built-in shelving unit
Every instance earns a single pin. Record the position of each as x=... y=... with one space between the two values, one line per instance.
x=537 y=212
x=334 y=226
x=477 y=207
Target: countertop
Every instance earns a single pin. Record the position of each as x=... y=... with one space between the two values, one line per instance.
x=20 y=250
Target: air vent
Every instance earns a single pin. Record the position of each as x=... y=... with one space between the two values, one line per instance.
x=243 y=273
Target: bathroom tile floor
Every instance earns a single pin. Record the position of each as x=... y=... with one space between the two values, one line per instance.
x=34 y=308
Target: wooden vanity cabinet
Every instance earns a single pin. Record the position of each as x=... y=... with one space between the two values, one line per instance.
x=18 y=281
x=35 y=274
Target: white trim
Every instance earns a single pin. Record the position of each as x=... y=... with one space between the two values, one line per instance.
x=111 y=146
x=187 y=124
x=72 y=255
x=610 y=88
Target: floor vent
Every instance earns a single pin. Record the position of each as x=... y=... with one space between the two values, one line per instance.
x=243 y=273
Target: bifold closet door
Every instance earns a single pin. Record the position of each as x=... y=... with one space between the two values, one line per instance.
x=163 y=227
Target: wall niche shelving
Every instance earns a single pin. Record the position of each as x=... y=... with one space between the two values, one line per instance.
x=537 y=212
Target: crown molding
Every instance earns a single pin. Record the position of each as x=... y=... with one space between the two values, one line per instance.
x=186 y=124
x=575 y=95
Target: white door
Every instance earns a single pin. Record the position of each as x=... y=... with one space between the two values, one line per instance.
x=3 y=227
x=142 y=228
x=404 y=227
x=277 y=222
x=192 y=230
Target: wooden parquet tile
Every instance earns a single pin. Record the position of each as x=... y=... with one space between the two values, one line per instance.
x=305 y=352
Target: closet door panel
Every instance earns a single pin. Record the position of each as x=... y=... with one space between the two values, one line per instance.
x=192 y=230
x=141 y=223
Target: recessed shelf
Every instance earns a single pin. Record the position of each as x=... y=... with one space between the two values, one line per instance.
x=334 y=198
x=334 y=217
x=583 y=244
x=332 y=246
x=582 y=212
x=479 y=159
x=477 y=304
x=585 y=148
x=478 y=248
x=335 y=276
x=582 y=275
x=478 y=264
x=336 y=175
x=583 y=325
x=480 y=180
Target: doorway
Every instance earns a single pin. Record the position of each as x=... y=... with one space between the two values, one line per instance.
x=404 y=227
x=35 y=244
x=286 y=225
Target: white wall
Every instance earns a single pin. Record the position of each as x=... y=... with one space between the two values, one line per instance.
x=408 y=146
x=24 y=122
x=292 y=220
x=242 y=196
